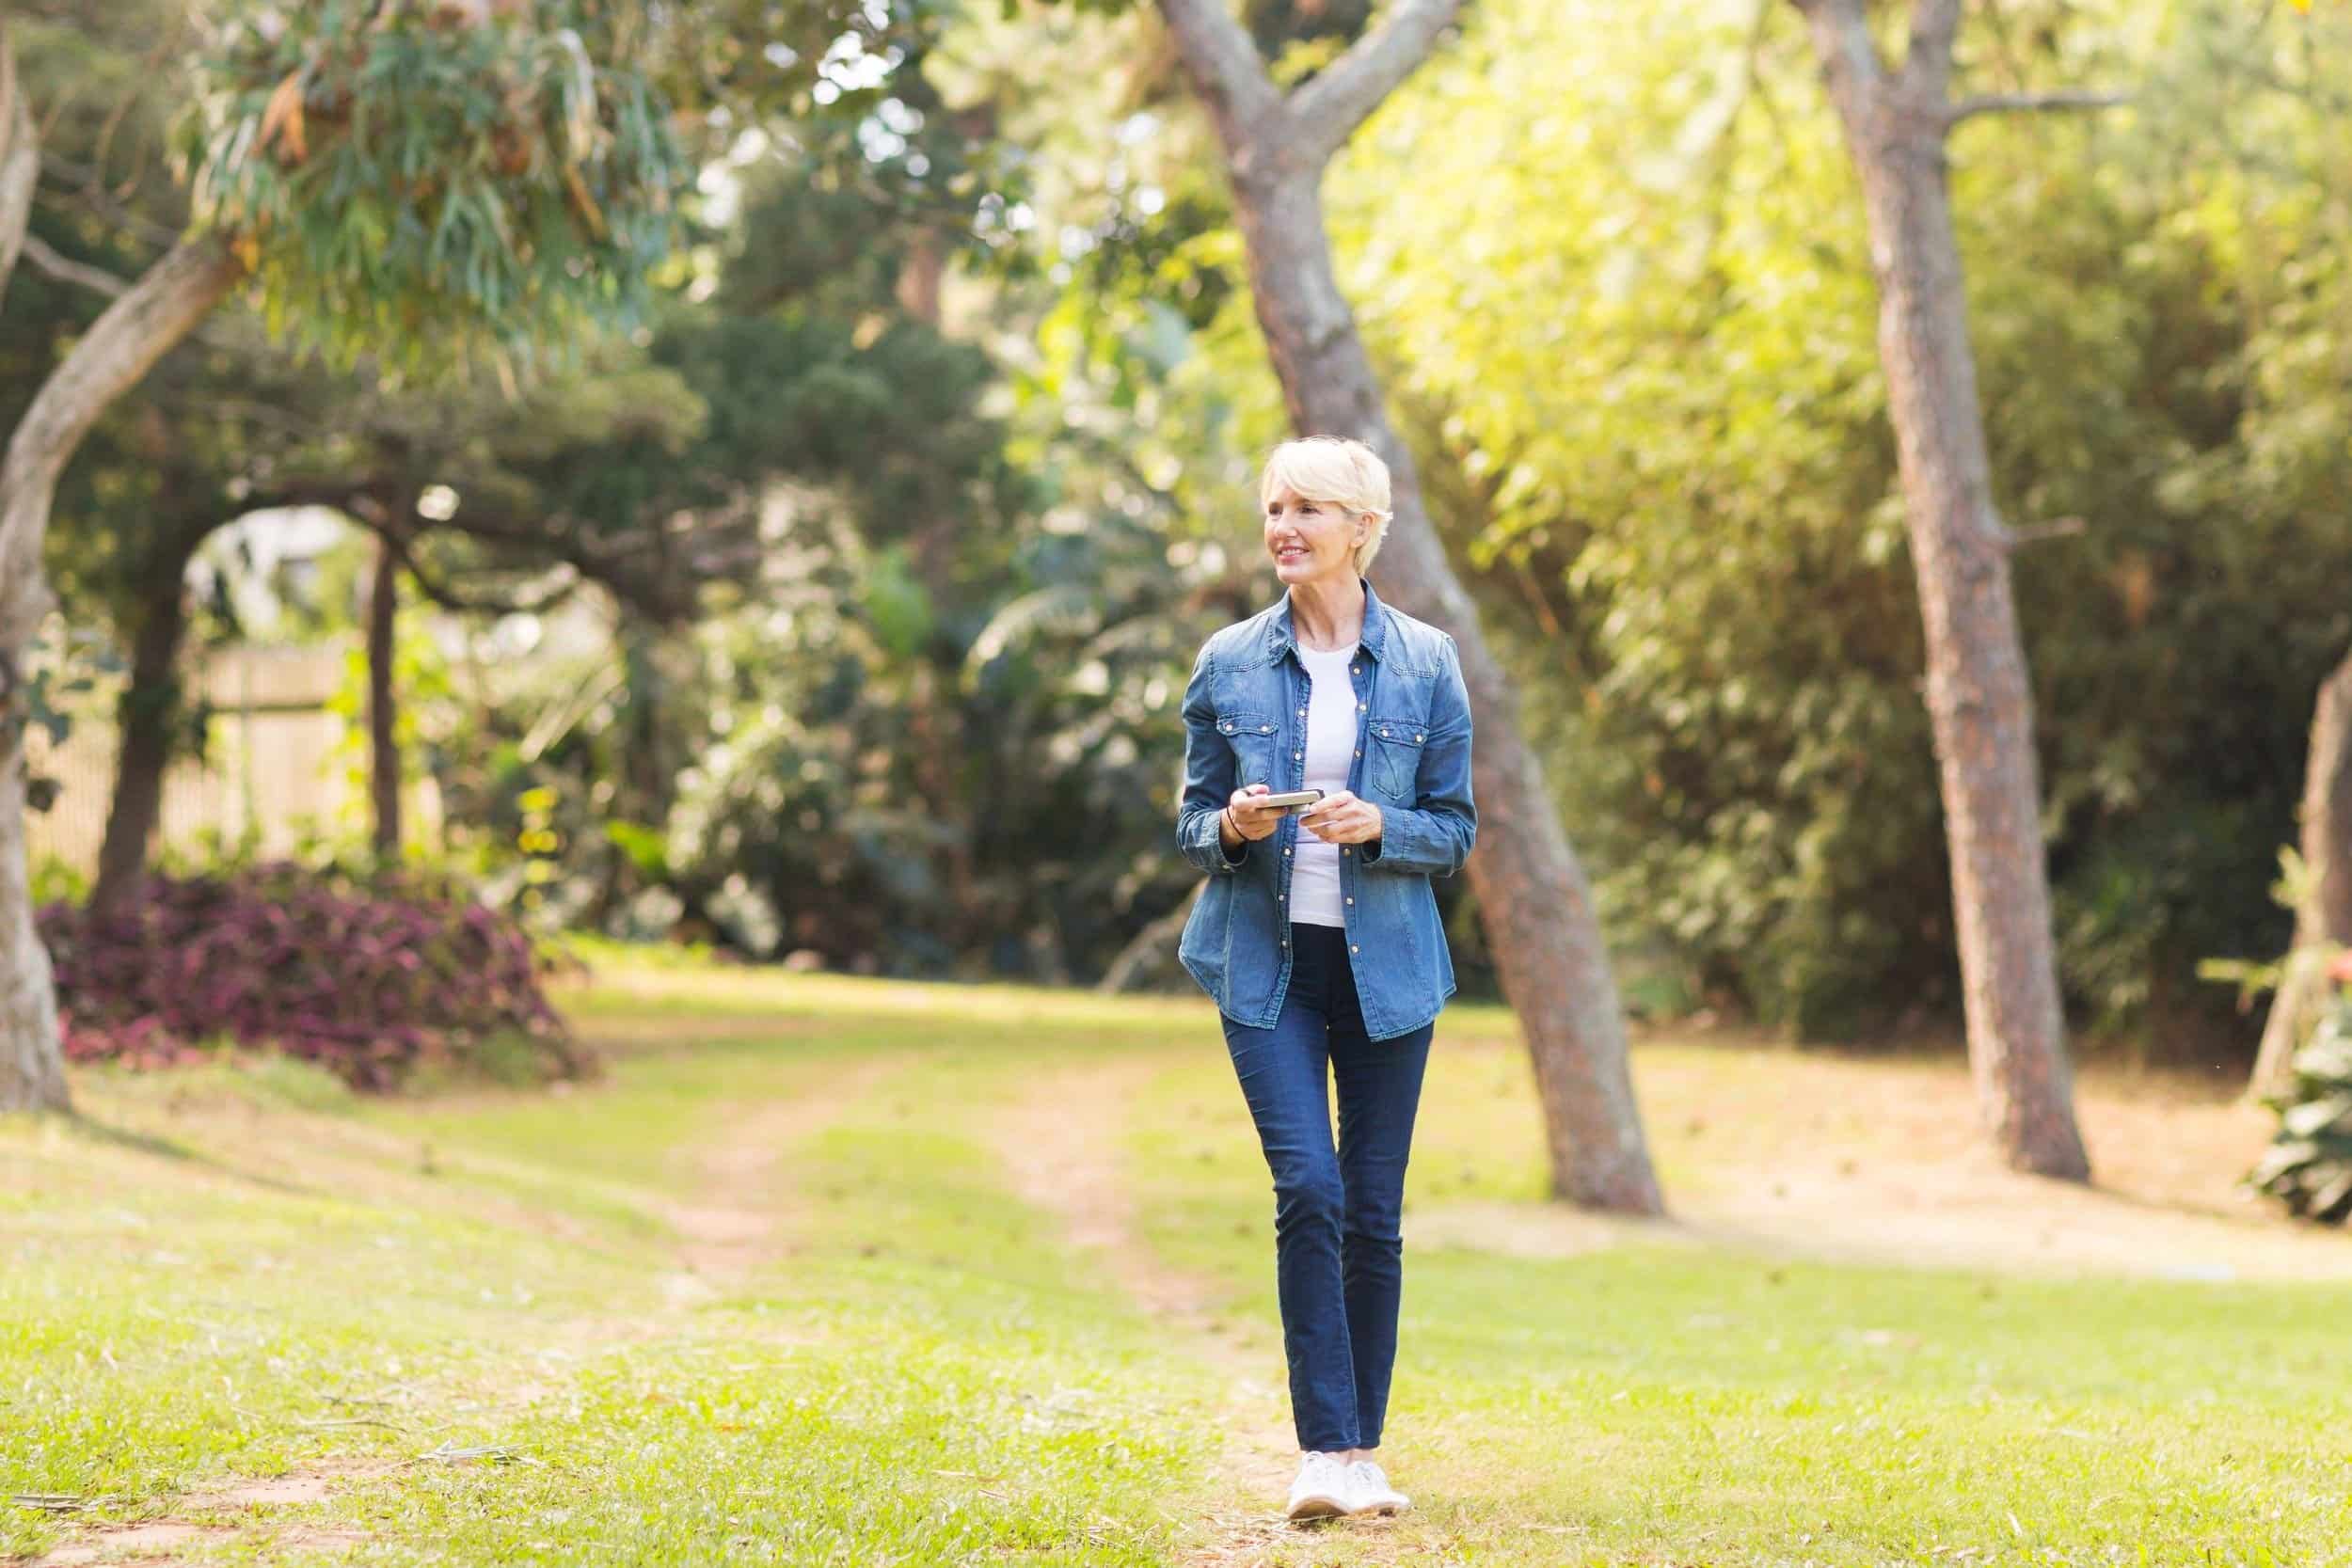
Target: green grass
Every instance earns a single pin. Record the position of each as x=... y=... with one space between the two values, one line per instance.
x=220 y=1272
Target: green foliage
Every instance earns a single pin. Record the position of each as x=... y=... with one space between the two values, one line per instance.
x=2309 y=1164
x=1646 y=345
x=414 y=184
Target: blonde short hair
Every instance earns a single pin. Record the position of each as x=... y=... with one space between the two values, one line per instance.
x=1330 y=469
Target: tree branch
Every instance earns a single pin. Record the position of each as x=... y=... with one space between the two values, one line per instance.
x=448 y=597
x=91 y=188
x=66 y=270
x=120 y=348
x=1927 y=62
x=20 y=163
x=2030 y=102
x=2057 y=528
x=1327 y=108
x=1848 y=55
x=1223 y=63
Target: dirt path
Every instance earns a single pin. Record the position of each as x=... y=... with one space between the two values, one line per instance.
x=1061 y=1146
x=732 y=1224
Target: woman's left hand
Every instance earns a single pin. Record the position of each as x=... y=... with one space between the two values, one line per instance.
x=1342 y=818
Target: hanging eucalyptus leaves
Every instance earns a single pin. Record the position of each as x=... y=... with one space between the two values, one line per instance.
x=423 y=180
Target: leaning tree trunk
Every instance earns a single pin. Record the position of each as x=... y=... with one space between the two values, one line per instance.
x=2323 y=919
x=1979 y=703
x=383 y=720
x=1532 y=892
x=145 y=718
x=131 y=334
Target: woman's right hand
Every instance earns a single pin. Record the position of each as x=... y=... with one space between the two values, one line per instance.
x=1253 y=823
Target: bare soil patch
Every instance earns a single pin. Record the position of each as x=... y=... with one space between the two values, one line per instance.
x=252 y=1505
x=1882 y=1160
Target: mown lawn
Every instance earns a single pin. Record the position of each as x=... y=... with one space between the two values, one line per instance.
x=481 y=1326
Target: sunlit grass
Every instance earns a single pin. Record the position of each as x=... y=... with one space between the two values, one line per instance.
x=226 y=1274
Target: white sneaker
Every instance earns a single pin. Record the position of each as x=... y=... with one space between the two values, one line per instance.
x=1326 y=1487
x=1373 y=1495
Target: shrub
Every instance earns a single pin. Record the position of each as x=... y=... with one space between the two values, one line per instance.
x=371 y=975
x=2309 y=1164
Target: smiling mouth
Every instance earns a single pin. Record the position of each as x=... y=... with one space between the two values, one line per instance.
x=1290 y=553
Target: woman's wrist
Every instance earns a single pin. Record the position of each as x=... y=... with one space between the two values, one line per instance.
x=1226 y=834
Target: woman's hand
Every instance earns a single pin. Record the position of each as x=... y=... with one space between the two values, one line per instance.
x=1342 y=818
x=1251 y=822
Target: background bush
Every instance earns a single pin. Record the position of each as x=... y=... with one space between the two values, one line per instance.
x=371 y=975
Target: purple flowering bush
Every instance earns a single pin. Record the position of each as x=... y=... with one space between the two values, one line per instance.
x=371 y=975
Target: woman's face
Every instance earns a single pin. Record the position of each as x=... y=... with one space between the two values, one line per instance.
x=1308 y=539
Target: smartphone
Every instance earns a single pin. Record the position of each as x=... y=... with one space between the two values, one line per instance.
x=1293 y=802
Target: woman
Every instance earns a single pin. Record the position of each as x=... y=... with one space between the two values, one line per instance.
x=1318 y=932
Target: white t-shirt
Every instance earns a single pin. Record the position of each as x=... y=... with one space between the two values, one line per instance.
x=1330 y=747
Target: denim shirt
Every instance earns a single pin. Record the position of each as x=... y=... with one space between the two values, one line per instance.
x=1244 y=723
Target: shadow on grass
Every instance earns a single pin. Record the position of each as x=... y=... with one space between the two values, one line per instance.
x=172 y=1149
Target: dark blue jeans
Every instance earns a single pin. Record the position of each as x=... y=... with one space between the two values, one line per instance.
x=1338 y=1250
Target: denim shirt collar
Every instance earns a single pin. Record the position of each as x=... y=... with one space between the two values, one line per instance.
x=1280 y=634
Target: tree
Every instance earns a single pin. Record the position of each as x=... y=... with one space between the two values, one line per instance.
x=2323 y=908
x=351 y=248
x=1532 y=892
x=1896 y=120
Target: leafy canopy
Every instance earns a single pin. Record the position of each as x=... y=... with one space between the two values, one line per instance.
x=426 y=182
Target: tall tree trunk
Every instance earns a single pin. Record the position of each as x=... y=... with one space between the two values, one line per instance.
x=2324 y=917
x=383 y=734
x=127 y=338
x=145 y=719
x=1980 y=702
x=1532 y=892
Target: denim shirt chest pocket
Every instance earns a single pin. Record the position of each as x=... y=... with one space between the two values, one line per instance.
x=1252 y=734
x=1393 y=737
x=1395 y=760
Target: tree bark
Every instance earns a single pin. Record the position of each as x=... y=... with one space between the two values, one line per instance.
x=1532 y=892
x=1980 y=702
x=127 y=338
x=145 y=720
x=2324 y=918
x=383 y=736
x=20 y=163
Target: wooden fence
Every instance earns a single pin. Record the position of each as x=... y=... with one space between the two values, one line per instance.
x=279 y=764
